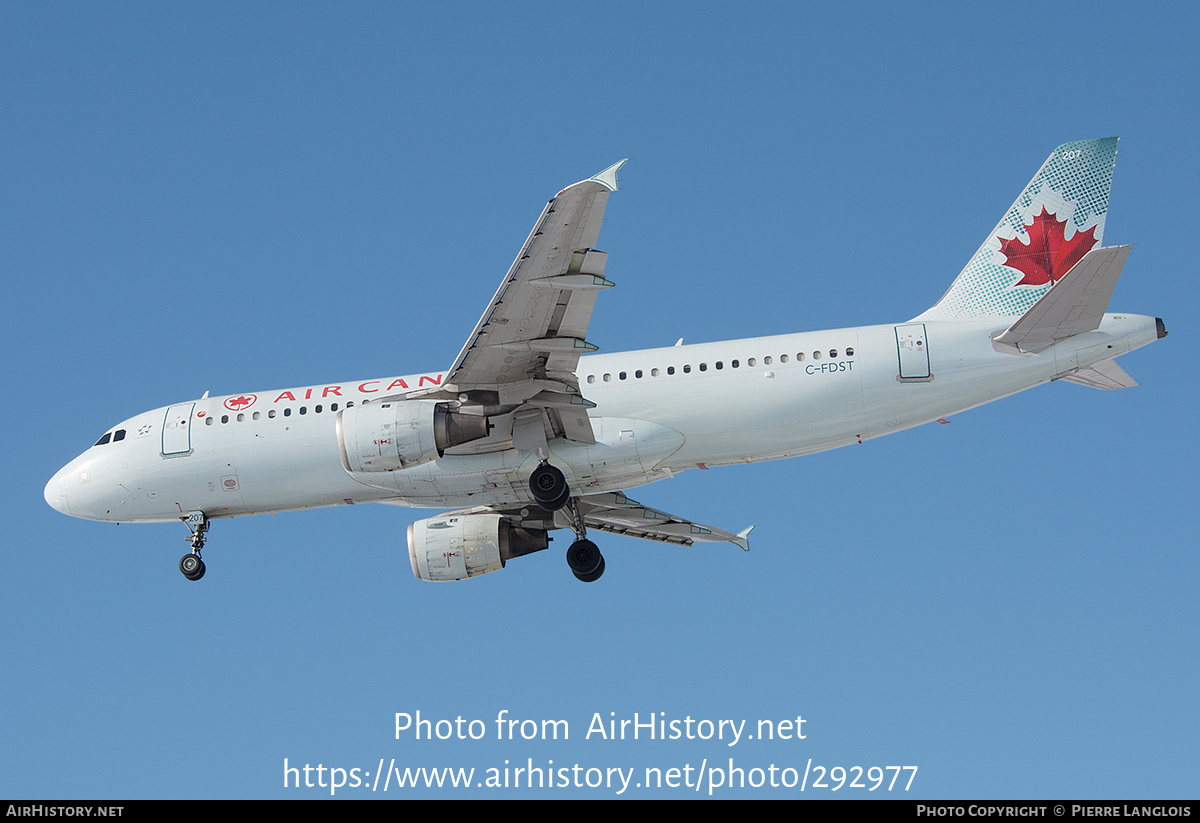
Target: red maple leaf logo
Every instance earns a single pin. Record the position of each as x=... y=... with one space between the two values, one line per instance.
x=1048 y=255
x=240 y=402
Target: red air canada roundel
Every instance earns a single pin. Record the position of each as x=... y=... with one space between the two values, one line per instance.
x=1048 y=255
x=240 y=401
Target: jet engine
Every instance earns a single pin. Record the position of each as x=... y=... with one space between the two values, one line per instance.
x=383 y=437
x=458 y=546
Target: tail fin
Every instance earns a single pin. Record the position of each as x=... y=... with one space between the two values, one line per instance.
x=1056 y=220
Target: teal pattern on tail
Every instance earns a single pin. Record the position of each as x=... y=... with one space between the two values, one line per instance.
x=1056 y=220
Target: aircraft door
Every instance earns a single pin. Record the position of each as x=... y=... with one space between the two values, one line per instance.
x=176 y=432
x=913 y=349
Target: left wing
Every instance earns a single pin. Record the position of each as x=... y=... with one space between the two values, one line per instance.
x=525 y=348
x=616 y=513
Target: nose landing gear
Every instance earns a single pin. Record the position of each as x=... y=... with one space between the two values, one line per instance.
x=191 y=565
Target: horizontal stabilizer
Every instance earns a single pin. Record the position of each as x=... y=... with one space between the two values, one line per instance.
x=1103 y=375
x=1073 y=306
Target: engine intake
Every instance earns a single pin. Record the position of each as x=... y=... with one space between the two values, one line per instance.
x=384 y=437
x=458 y=546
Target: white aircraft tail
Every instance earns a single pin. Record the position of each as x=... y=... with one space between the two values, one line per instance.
x=1058 y=219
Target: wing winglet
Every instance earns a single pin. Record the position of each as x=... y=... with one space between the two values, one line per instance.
x=743 y=539
x=608 y=177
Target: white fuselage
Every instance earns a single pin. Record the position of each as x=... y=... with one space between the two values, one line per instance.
x=658 y=411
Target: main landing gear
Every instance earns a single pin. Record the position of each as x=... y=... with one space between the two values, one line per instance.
x=550 y=489
x=190 y=564
x=585 y=560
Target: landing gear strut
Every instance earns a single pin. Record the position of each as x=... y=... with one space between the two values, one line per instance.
x=583 y=556
x=550 y=489
x=190 y=564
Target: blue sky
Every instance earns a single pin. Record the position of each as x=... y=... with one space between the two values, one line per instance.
x=238 y=197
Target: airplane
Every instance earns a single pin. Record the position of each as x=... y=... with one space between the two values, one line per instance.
x=528 y=431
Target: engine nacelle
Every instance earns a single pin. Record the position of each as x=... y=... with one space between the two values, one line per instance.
x=458 y=546
x=383 y=437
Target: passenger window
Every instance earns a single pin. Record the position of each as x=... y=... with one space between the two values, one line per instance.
x=256 y=415
x=208 y=421
x=224 y=418
x=750 y=362
x=800 y=357
x=241 y=418
x=654 y=372
x=849 y=352
x=816 y=355
x=317 y=409
x=304 y=409
x=287 y=412
x=622 y=375
x=591 y=378
x=607 y=378
x=767 y=361
x=687 y=369
x=670 y=369
x=783 y=358
x=703 y=367
x=833 y=352
x=734 y=364
x=638 y=374
x=271 y=413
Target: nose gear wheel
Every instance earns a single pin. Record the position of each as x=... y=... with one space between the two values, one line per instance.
x=192 y=566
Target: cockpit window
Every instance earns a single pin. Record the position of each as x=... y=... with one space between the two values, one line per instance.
x=115 y=437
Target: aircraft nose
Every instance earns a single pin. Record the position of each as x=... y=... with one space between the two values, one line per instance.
x=56 y=492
